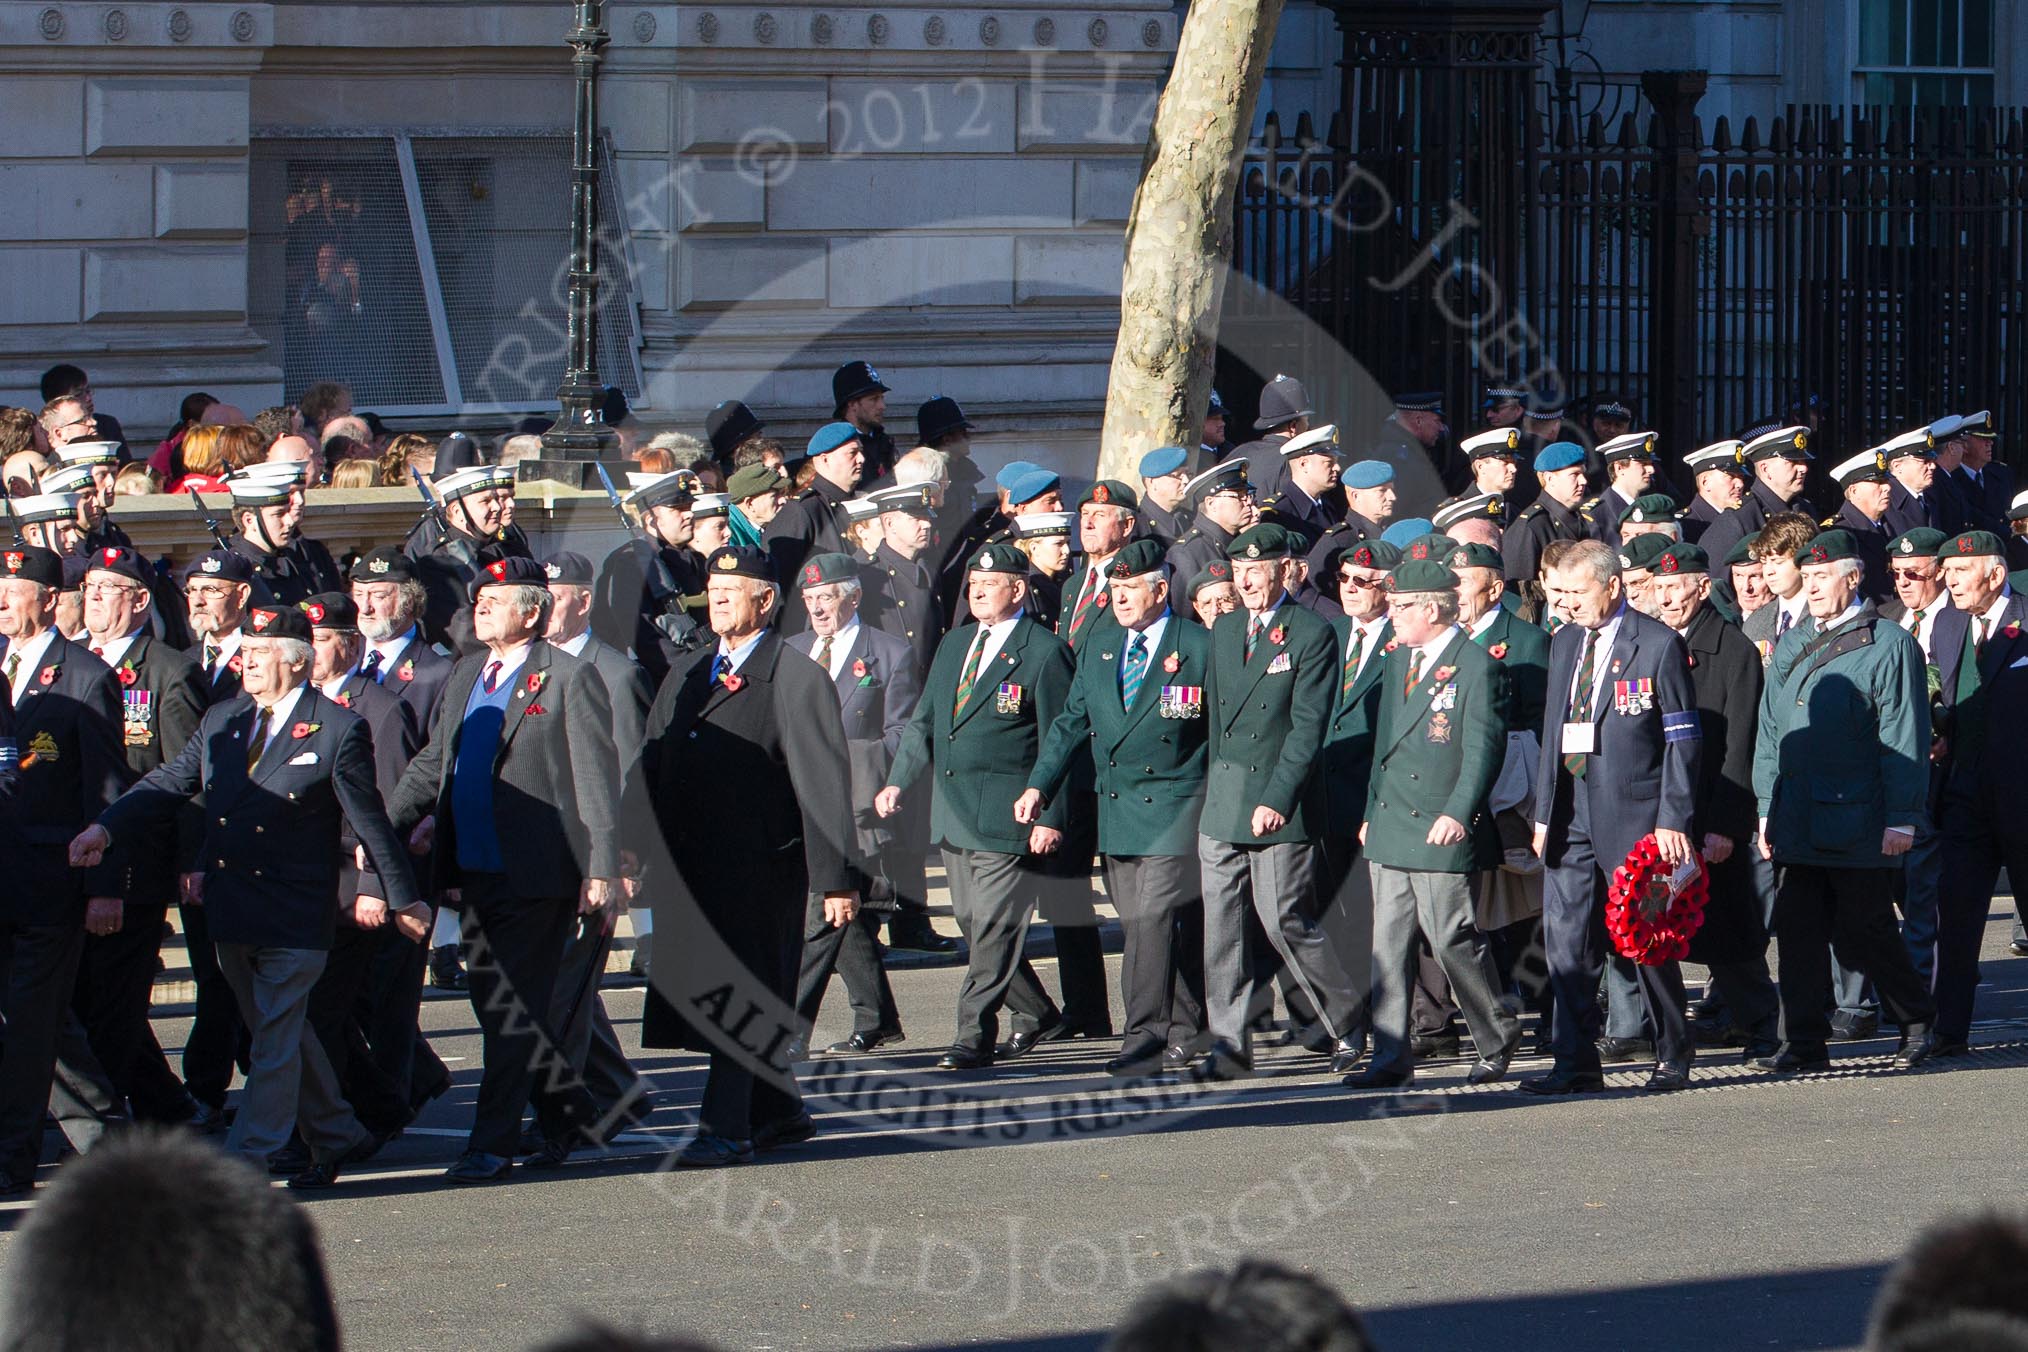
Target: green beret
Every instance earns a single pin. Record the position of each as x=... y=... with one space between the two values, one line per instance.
x=1000 y=558
x=1682 y=557
x=821 y=568
x=1421 y=575
x=1136 y=559
x=1476 y=555
x=1428 y=545
x=1653 y=509
x=1265 y=541
x=1742 y=552
x=1921 y=542
x=1829 y=547
x=1642 y=551
x=1111 y=493
x=1210 y=575
x=1973 y=544
x=750 y=481
x=1372 y=554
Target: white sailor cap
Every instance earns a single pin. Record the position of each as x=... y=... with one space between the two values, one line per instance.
x=1785 y=443
x=1498 y=441
x=856 y=509
x=1488 y=505
x=676 y=488
x=714 y=504
x=1029 y=525
x=473 y=479
x=45 y=507
x=1865 y=467
x=67 y=478
x=1632 y=446
x=1729 y=454
x=1317 y=441
x=266 y=482
x=88 y=453
x=1918 y=442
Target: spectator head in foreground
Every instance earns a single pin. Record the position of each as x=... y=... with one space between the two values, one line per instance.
x=157 y=1242
x=1965 y=1269
x=1257 y=1306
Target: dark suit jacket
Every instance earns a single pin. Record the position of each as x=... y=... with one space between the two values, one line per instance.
x=877 y=693
x=980 y=758
x=67 y=725
x=902 y=600
x=748 y=791
x=1746 y=519
x=223 y=684
x=1643 y=774
x=1148 y=766
x=1943 y=511
x=630 y=694
x=162 y=700
x=554 y=777
x=1985 y=502
x=1871 y=542
x=1726 y=674
x=392 y=726
x=271 y=847
x=1982 y=762
x=283 y=577
x=1522 y=650
x=418 y=674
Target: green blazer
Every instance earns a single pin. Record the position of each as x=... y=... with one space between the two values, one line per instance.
x=1267 y=727
x=1522 y=651
x=1436 y=752
x=1149 y=766
x=1348 y=742
x=980 y=758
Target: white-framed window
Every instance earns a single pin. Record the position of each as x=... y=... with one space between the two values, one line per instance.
x=429 y=273
x=1932 y=53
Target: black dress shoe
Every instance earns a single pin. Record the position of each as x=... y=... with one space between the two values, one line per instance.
x=476 y=1166
x=445 y=972
x=312 y=1177
x=210 y=1120
x=1917 y=1046
x=1374 y=1077
x=1141 y=1059
x=1346 y=1052
x=1565 y=1082
x=1853 y=1027
x=1434 y=1046
x=713 y=1152
x=1795 y=1061
x=1944 y=1051
x=1177 y=1058
x=1614 y=1050
x=1021 y=1043
x=551 y=1154
x=1097 y=1032
x=861 y=1043
x=914 y=936
x=790 y=1131
x=2018 y=947
x=1668 y=1079
x=1222 y=1062
x=1489 y=1069
x=961 y=1057
x=532 y=1140
x=1759 y=1049
x=290 y=1160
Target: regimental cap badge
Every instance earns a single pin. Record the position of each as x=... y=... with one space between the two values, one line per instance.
x=314 y=611
x=1100 y=493
x=1253 y=550
x=498 y=568
x=1802 y=440
x=812 y=575
x=1216 y=570
x=1907 y=545
x=1667 y=564
x=1880 y=460
x=1820 y=554
x=262 y=619
x=1362 y=557
x=209 y=565
x=110 y=555
x=14 y=560
x=1418 y=550
x=552 y=570
x=377 y=566
x=727 y=562
x=1965 y=545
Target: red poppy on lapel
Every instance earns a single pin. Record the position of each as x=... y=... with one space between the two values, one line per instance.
x=532 y=710
x=407 y=672
x=302 y=730
x=342 y=700
x=48 y=674
x=535 y=679
x=1392 y=644
x=858 y=666
x=1498 y=651
x=1102 y=599
x=1275 y=635
x=1442 y=674
x=1172 y=664
x=1692 y=659
x=733 y=681
x=232 y=664
x=128 y=675
x=2012 y=631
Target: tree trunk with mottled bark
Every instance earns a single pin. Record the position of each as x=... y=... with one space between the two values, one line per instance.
x=1180 y=234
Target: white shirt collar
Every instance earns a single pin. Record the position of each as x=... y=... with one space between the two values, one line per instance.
x=1484 y=622
x=388 y=649
x=1434 y=648
x=227 y=644
x=279 y=711
x=1153 y=633
x=841 y=646
x=333 y=687
x=736 y=657
x=111 y=651
x=574 y=646
x=1992 y=615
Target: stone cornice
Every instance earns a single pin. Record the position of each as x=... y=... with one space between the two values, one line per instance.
x=193 y=25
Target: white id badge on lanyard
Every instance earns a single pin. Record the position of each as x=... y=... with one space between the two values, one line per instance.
x=1580 y=739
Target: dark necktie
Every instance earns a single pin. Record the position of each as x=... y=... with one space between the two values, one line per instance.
x=257 y=737
x=1135 y=669
x=823 y=654
x=1353 y=653
x=492 y=680
x=1581 y=699
x=970 y=675
x=1084 y=601
x=1782 y=622
x=210 y=658
x=371 y=670
x=1414 y=672
x=1253 y=628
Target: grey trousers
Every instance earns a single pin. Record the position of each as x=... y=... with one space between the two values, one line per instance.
x=585 y=1033
x=1439 y=905
x=290 y=1085
x=993 y=897
x=1159 y=900
x=1271 y=887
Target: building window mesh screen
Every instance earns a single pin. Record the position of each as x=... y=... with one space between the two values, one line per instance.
x=337 y=287
x=498 y=212
x=334 y=284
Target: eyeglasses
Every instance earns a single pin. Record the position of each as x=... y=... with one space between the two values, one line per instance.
x=204 y=592
x=1363 y=583
x=1913 y=574
x=110 y=588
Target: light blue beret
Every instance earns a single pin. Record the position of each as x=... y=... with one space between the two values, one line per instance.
x=1559 y=455
x=1368 y=474
x=1164 y=460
